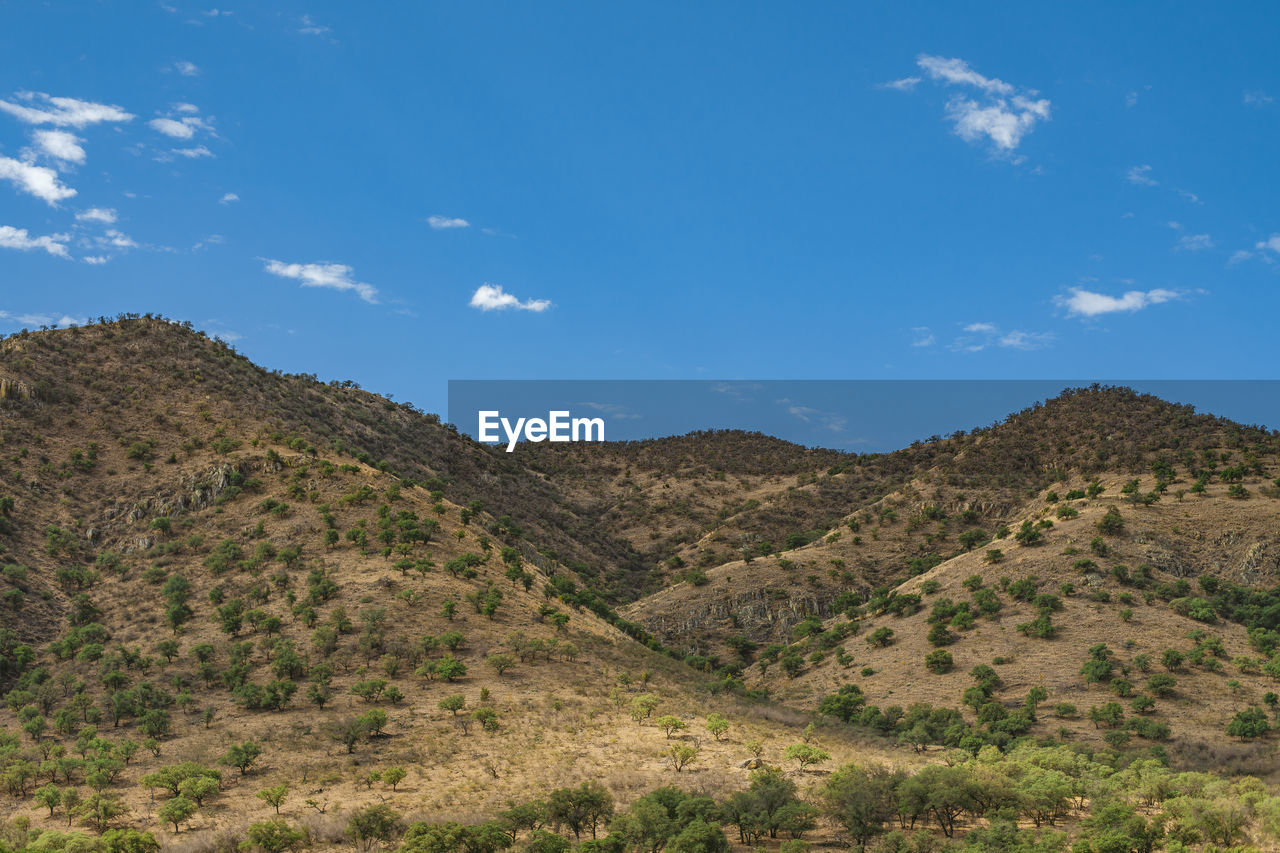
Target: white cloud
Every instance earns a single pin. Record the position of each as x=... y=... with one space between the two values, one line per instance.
x=184 y=129
x=43 y=319
x=999 y=112
x=95 y=260
x=957 y=72
x=117 y=240
x=211 y=240
x=1258 y=99
x=1087 y=303
x=105 y=215
x=39 y=181
x=1189 y=196
x=311 y=28
x=1271 y=244
x=491 y=297
x=186 y=69
x=922 y=336
x=62 y=112
x=1131 y=99
x=60 y=145
x=192 y=153
x=1195 y=242
x=1141 y=175
x=906 y=84
x=334 y=276
x=185 y=108
x=228 y=198
x=981 y=336
x=1025 y=340
x=19 y=238
x=444 y=222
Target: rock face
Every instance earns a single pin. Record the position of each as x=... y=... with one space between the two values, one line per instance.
x=12 y=389
x=194 y=491
x=761 y=615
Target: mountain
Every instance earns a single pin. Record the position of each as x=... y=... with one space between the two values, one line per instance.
x=198 y=554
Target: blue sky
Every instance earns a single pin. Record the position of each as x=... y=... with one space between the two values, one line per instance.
x=408 y=193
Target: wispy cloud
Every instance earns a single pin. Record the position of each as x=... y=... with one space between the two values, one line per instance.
x=442 y=223
x=905 y=84
x=1194 y=243
x=491 y=297
x=323 y=274
x=1025 y=340
x=186 y=69
x=113 y=239
x=39 y=181
x=21 y=239
x=311 y=28
x=1258 y=98
x=105 y=215
x=922 y=336
x=1141 y=175
x=192 y=153
x=228 y=198
x=980 y=336
x=184 y=128
x=1087 y=303
x=61 y=145
x=42 y=319
x=994 y=112
x=40 y=108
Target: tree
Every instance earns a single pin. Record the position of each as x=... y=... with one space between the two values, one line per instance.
x=272 y=836
x=860 y=800
x=453 y=704
x=699 y=837
x=349 y=732
x=581 y=808
x=1110 y=715
x=717 y=725
x=241 y=756
x=373 y=825
x=177 y=811
x=49 y=796
x=880 y=637
x=1248 y=724
x=939 y=661
x=199 y=788
x=681 y=755
x=450 y=668
x=129 y=841
x=805 y=754
x=274 y=796
x=643 y=706
x=501 y=662
x=670 y=723
x=1111 y=523
x=394 y=776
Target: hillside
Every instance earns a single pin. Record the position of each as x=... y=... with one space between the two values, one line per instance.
x=207 y=565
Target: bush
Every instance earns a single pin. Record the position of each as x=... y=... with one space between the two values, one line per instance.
x=939 y=661
x=1248 y=724
x=880 y=637
x=1111 y=523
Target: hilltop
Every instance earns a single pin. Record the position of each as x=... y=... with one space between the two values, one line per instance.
x=199 y=554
